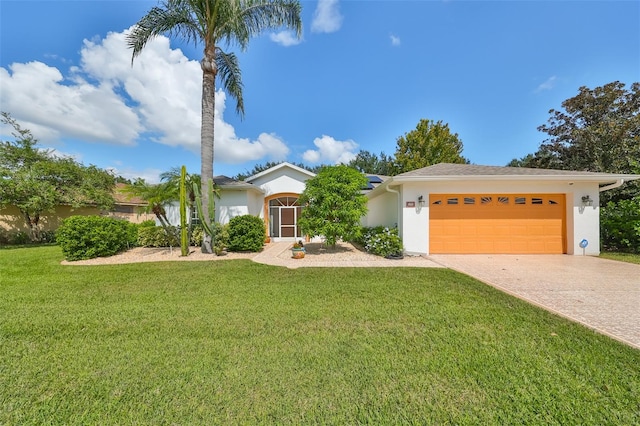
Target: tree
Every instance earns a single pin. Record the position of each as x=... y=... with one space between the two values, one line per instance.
x=210 y=23
x=367 y=162
x=430 y=143
x=35 y=181
x=598 y=131
x=333 y=203
x=157 y=196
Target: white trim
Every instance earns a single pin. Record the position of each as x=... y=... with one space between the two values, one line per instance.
x=278 y=167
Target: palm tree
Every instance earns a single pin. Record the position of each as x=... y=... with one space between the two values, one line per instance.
x=211 y=22
x=157 y=197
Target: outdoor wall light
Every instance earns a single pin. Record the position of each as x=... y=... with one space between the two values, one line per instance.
x=587 y=201
x=421 y=201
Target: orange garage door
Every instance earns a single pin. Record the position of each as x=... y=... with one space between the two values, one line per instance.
x=496 y=223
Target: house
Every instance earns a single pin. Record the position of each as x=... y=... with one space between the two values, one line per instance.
x=448 y=208
x=126 y=207
x=461 y=208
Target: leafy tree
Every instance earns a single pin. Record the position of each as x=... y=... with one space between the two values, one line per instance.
x=430 y=143
x=333 y=203
x=598 y=131
x=35 y=181
x=211 y=23
x=367 y=162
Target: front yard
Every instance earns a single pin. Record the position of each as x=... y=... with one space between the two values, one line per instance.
x=235 y=342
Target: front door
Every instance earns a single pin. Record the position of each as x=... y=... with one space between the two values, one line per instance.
x=283 y=218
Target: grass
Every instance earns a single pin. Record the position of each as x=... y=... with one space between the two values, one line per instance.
x=622 y=257
x=236 y=342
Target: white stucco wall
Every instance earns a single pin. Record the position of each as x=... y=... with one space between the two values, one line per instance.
x=581 y=222
x=282 y=180
x=231 y=204
x=383 y=211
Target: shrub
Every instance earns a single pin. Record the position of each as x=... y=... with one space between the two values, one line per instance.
x=620 y=225
x=196 y=236
x=19 y=238
x=220 y=237
x=147 y=224
x=86 y=237
x=246 y=233
x=381 y=241
x=157 y=236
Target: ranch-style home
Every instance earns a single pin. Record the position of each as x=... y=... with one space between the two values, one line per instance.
x=447 y=208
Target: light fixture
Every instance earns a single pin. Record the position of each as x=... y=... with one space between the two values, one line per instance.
x=421 y=201
x=587 y=201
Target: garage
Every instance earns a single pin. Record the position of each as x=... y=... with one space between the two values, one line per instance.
x=497 y=223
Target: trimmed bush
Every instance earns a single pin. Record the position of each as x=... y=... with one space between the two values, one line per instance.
x=157 y=236
x=87 y=237
x=381 y=241
x=246 y=233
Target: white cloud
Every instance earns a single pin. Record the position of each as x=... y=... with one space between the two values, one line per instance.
x=285 y=38
x=149 y=175
x=547 y=85
x=106 y=99
x=331 y=151
x=42 y=100
x=395 y=40
x=326 y=17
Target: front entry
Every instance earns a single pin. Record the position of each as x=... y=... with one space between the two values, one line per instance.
x=283 y=218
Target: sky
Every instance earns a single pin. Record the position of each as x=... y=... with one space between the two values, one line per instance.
x=363 y=74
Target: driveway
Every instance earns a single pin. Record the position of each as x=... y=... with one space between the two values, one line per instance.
x=601 y=294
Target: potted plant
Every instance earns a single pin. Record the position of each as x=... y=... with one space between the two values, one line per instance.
x=298 y=250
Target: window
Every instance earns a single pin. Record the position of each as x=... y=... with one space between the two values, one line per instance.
x=469 y=200
x=486 y=200
x=535 y=200
x=503 y=200
x=552 y=202
x=452 y=200
x=437 y=203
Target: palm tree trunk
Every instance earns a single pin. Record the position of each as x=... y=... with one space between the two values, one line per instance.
x=206 y=141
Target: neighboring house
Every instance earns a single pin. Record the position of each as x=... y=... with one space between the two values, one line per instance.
x=12 y=221
x=126 y=207
x=447 y=208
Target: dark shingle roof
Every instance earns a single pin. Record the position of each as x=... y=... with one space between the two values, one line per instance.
x=447 y=169
x=225 y=182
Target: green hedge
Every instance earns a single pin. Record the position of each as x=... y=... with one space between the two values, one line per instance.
x=157 y=236
x=87 y=237
x=620 y=226
x=246 y=233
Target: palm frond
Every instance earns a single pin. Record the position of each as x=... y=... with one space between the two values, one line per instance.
x=175 y=20
x=231 y=77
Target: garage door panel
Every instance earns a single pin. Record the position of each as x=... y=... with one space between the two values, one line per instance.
x=498 y=224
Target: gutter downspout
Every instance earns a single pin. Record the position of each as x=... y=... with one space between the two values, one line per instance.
x=613 y=185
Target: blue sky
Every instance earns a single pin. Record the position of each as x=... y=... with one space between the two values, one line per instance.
x=363 y=74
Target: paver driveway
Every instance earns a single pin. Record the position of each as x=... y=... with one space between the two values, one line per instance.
x=599 y=293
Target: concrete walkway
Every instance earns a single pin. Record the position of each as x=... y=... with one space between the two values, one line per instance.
x=601 y=294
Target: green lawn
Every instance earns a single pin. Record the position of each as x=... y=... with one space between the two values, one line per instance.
x=622 y=257
x=236 y=342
